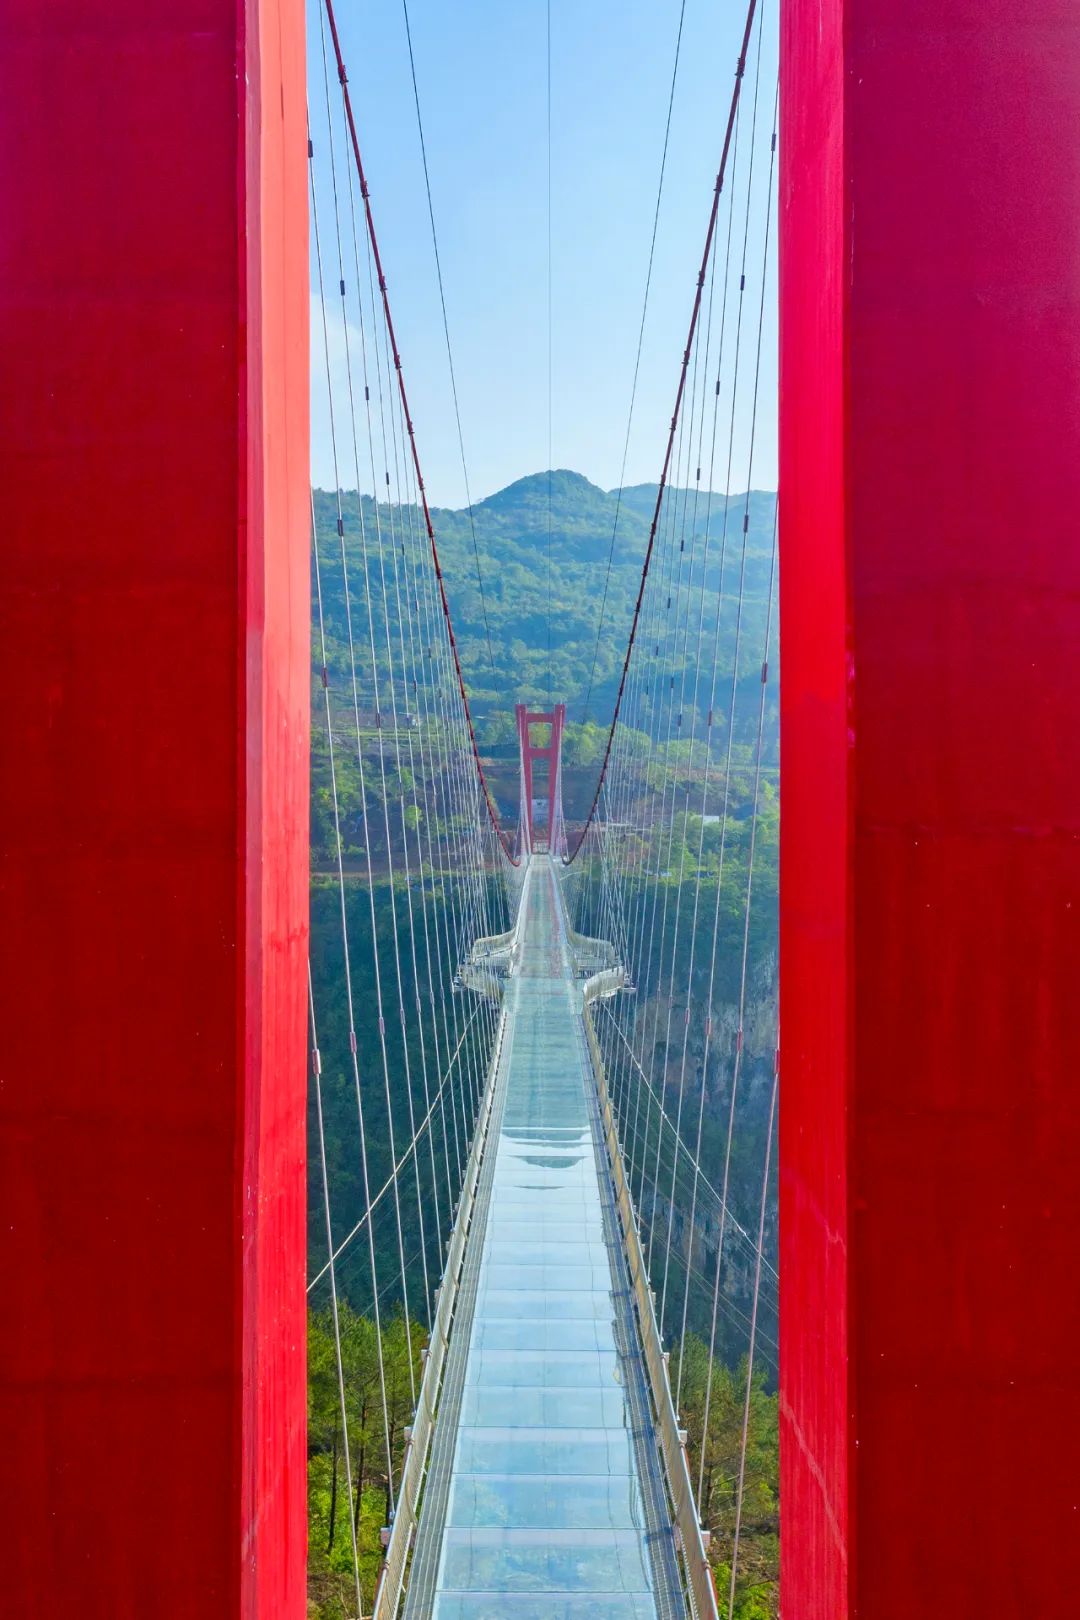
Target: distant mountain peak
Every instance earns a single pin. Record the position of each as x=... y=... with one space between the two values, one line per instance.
x=567 y=487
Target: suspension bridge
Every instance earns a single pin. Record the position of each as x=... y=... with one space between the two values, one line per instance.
x=524 y=1019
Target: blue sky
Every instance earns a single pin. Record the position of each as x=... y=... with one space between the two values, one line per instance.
x=481 y=71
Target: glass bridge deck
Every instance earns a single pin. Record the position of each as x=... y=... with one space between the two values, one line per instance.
x=546 y=1502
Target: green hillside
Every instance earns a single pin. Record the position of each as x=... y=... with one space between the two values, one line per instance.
x=519 y=565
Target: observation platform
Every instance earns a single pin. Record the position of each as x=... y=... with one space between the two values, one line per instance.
x=544 y=1497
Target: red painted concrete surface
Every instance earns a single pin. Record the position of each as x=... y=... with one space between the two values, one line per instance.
x=153 y=820
x=930 y=853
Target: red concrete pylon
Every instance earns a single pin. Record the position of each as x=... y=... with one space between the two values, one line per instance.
x=930 y=847
x=154 y=610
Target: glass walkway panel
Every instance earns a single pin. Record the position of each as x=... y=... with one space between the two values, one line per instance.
x=544 y=1498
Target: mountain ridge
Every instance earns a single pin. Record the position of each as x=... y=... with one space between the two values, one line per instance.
x=521 y=562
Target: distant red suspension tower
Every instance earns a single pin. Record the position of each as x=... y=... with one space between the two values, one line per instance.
x=554 y=839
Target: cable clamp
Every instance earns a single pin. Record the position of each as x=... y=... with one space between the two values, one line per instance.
x=764 y=670
x=316 y=1061
x=382 y=1025
x=325 y=678
x=352 y=1040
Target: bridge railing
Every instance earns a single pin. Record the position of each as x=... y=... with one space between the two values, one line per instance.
x=391 y=1583
x=491 y=958
x=692 y=1540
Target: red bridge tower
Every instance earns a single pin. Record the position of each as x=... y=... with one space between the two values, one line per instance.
x=554 y=834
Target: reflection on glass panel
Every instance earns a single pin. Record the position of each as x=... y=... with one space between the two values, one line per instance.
x=555 y=1227
x=534 y=1302
x=569 y=1369
x=564 y=1606
x=544 y=1560
x=574 y=1502
x=538 y=1156
x=502 y=1274
x=552 y=1408
x=543 y=1335
x=521 y=1199
x=541 y=1249
x=555 y=1136
x=544 y=1451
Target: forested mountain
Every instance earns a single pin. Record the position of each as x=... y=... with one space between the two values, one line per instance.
x=520 y=565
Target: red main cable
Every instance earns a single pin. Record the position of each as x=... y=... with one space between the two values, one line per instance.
x=492 y=810
x=695 y=312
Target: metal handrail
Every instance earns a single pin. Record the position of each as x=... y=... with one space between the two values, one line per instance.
x=692 y=1540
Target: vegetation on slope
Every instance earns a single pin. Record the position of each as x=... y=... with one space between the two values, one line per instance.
x=511 y=530
x=334 y=1518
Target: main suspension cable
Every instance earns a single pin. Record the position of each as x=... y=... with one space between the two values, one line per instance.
x=695 y=311
x=492 y=810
